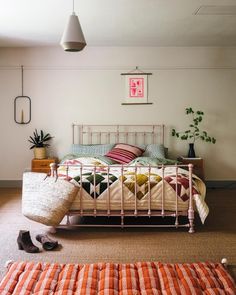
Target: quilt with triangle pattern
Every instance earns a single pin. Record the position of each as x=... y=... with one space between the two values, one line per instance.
x=96 y=177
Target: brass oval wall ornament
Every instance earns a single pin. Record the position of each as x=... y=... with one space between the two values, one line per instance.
x=22 y=105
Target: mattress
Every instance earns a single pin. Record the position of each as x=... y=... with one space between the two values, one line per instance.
x=113 y=279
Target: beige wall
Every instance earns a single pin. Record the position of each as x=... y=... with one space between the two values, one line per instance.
x=87 y=87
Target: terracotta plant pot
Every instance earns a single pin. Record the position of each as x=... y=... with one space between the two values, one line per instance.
x=40 y=153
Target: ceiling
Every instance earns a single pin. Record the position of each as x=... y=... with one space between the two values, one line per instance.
x=120 y=22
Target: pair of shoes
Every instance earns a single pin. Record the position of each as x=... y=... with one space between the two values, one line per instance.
x=47 y=243
x=25 y=243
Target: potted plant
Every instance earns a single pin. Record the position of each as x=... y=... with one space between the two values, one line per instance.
x=40 y=143
x=194 y=133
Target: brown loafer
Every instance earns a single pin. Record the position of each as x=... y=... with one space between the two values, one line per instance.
x=47 y=243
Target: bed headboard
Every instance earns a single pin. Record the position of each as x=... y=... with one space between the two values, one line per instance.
x=132 y=134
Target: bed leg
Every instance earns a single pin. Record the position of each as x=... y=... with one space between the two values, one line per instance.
x=52 y=229
x=67 y=219
x=122 y=221
x=191 y=221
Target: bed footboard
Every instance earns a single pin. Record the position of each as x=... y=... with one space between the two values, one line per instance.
x=122 y=212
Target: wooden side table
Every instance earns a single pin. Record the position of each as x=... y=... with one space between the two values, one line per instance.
x=38 y=165
x=198 y=165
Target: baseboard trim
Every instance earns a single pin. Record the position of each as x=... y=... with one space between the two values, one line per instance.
x=10 y=183
x=225 y=184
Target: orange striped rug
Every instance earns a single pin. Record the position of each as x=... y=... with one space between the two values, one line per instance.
x=147 y=278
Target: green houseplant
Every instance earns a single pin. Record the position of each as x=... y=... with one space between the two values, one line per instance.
x=194 y=132
x=39 y=142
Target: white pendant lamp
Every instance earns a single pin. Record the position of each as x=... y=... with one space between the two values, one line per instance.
x=73 y=38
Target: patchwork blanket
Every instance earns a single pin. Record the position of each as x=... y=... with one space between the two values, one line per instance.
x=95 y=183
x=113 y=279
x=95 y=180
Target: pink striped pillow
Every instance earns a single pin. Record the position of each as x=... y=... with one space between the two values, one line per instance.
x=124 y=153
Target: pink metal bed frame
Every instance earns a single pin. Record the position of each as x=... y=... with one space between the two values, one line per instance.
x=132 y=134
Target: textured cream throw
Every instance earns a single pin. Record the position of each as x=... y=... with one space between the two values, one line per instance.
x=46 y=199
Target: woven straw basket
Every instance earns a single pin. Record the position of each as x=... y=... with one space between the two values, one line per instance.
x=40 y=153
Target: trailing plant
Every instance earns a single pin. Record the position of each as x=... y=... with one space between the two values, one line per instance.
x=39 y=139
x=194 y=133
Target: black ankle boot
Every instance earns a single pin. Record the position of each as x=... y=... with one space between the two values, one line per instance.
x=25 y=243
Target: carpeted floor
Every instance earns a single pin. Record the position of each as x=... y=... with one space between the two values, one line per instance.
x=212 y=241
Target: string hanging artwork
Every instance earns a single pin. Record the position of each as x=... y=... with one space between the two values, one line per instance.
x=136 y=87
x=22 y=105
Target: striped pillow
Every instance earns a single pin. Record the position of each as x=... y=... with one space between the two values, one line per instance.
x=124 y=153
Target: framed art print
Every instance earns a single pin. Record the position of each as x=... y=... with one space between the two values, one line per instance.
x=136 y=88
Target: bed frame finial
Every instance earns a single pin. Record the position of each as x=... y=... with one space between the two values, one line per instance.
x=224 y=261
x=8 y=263
x=53 y=169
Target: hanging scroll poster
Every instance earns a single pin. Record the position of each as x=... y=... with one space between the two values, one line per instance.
x=136 y=88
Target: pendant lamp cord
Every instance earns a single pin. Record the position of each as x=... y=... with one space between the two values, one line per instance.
x=22 y=80
x=73 y=7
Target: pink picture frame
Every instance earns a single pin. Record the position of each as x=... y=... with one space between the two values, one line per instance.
x=136 y=88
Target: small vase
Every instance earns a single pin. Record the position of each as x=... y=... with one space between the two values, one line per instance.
x=191 y=152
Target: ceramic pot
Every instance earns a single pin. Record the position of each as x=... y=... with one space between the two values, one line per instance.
x=191 y=152
x=40 y=153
